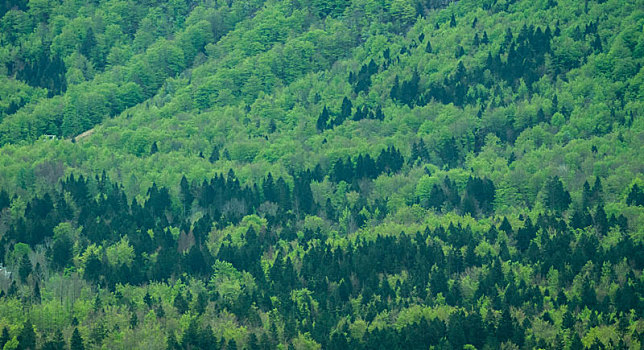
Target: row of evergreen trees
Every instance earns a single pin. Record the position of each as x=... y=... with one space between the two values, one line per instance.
x=334 y=274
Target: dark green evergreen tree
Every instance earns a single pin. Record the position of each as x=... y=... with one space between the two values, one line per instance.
x=36 y=294
x=134 y=320
x=635 y=196
x=76 y=342
x=323 y=120
x=61 y=252
x=556 y=197
x=428 y=47
x=180 y=304
x=88 y=43
x=345 y=110
x=4 y=337
x=57 y=342
x=25 y=268
x=252 y=342
x=214 y=155
x=172 y=343
x=186 y=195
x=575 y=342
x=27 y=336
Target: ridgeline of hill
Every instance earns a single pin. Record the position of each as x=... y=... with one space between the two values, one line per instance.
x=306 y=174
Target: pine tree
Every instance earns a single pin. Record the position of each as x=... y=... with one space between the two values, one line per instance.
x=541 y=116
x=134 y=320
x=323 y=120
x=252 y=342
x=437 y=197
x=4 y=338
x=56 y=343
x=635 y=196
x=556 y=197
x=76 y=342
x=505 y=226
x=5 y=201
x=147 y=299
x=36 y=294
x=25 y=268
x=329 y=210
x=214 y=155
x=456 y=330
x=597 y=191
x=27 y=336
x=395 y=90
x=575 y=342
x=505 y=329
x=567 y=320
x=422 y=150
x=88 y=43
x=428 y=47
x=186 y=195
x=61 y=252
x=460 y=51
x=525 y=235
x=180 y=304
x=98 y=304
x=172 y=343
x=600 y=220
x=345 y=110
x=597 y=44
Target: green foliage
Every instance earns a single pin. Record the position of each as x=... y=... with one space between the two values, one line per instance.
x=27 y=336
x=321 y=174
x=76 y=342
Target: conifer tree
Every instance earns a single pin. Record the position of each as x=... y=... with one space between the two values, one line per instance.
x=4 y=337
x=323 y=120
x=635 y=196
x=556 y=197
x=25 y=268
x=27 y=336
x=345 y=110
x=214 y=155
x=76 y=342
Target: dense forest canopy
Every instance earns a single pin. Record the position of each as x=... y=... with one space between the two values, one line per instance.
x=308 y=174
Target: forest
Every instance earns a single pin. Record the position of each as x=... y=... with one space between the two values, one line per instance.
x=309 y=174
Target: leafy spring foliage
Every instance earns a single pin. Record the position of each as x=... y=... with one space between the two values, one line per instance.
x=403 y=176
x=313 y=278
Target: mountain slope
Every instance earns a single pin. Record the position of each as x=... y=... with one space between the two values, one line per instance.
x=337 y=174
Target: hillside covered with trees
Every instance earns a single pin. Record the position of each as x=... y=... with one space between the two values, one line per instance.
x=308 y=174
